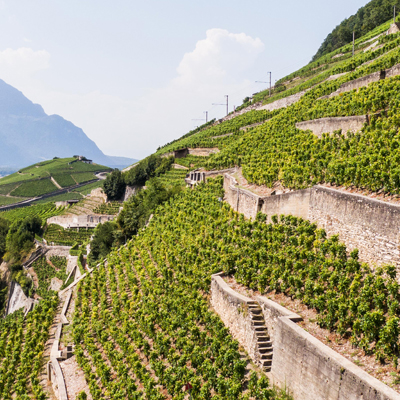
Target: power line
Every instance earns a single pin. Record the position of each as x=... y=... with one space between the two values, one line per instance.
x=227 y=104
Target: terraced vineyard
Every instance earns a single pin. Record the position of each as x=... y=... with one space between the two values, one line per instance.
x=66 y=237
x=45 y=272
x=43 y=211
x=174 y=177
x=36 y=180
x=110 y=208
x=22 y=342
x=143 y=329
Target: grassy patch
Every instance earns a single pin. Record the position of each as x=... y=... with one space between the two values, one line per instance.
x=35 y=188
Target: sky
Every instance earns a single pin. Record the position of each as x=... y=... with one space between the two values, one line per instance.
x=136 y=75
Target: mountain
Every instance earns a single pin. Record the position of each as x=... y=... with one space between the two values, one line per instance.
x=28 y=135
x=373 y=14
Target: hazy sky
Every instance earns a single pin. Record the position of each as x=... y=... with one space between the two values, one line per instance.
x=133 y=75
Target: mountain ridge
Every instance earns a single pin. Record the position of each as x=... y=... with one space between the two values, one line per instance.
x=29 y=135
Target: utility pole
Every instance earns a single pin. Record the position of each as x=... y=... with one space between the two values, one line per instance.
x=227 y=104
x=206 y=112
x=354 y=36
x=270 y=83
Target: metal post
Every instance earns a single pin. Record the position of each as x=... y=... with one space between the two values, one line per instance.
x=270 y=83
x=227 y=105
x=206 y=112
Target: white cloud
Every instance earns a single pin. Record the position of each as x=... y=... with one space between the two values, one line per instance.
x=136 y=127
x=17 y=67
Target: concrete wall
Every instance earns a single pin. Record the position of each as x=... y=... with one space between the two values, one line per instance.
x=285 y=102
x=79 y=221
x=310 y=369
x=371 y=225
x=233 y=308
x=330 y=125
x=16 y=298
x=203 y=152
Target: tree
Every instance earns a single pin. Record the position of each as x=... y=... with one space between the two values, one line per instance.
x=114 y=185
x=20 y=237
x=137 y=210
x=103 y=241
x=4 y=226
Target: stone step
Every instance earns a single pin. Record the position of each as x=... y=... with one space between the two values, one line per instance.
x=265 y=344
x=263 y=338
x=257 y=317
x=266 y=363
x=260 y=328
x=256 y=311
x=262 y=333
x=258 y=322
x=265 y=350
x=266 y=356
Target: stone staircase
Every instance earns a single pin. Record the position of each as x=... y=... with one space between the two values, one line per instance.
x=264 y=344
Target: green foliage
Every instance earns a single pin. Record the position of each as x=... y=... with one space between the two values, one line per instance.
x=143 y=327
x=197 y=235
x=114 y=185
x=66 y=237
x=22 y=343
x=64 y=180
x=5 y=200
x=84 y=177
x=110 y=208
x=137 y=209
x=4 y=227
x=103 y=241
x=148 y=168
x=43 y=211
x=20 y=237
x=373 y=14
x=46 y=272
x=35 y=188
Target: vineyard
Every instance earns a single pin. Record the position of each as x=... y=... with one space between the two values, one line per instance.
x=43 y=211
x=35 y=180
x=66 y=237
x=46 y=272
x=110 y=208
x=277 y=151
x=174 y=177
x=143 y=329
x=22 y=342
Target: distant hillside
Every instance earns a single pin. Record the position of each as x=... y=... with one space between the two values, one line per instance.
x=47 y=177
x=28 y=135
x=373 y=14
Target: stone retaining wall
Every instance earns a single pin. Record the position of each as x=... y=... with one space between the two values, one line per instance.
x=371 y=225
x=282 y=103
x=330 y=125
x=307 y=367
x=79 y=221
x=233 y=309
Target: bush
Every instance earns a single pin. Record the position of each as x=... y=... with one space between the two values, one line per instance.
x=114 y=185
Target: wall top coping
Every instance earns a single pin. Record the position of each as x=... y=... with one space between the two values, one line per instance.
x=217 y=278
x=360 y=197
x=358 y=372
x=348 y=118
x=284 y=312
